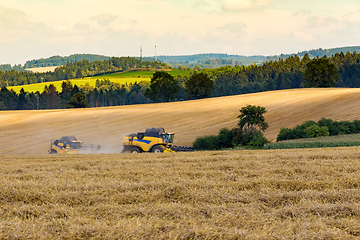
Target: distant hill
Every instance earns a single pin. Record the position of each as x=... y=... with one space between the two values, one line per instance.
x=221 y=59
x=59 y=60
x=204 y=60
x=317 y=52
x=211 y=59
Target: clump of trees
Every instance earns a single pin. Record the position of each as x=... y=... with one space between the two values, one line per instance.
x=198 y=86
x=324 y=127
x=162 y=87
x=249 y=132
x=320 y=72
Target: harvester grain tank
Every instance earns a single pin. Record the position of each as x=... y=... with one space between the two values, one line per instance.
x=154 y=140
x=69 y=144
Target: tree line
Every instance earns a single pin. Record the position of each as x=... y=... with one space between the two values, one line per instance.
x=104 y=93
x=285 y=74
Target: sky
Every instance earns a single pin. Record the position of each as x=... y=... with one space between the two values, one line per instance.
x=33 y=29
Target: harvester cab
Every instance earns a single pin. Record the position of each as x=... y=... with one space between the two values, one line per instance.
x=69 y=144
x=154 y=140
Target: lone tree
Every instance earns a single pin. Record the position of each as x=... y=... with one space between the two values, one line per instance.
x=78 y=100
x=320 y=73
x=252 y=119
x=163 y=86
x=199 y=86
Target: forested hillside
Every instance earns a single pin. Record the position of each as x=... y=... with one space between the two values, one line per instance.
x=73 y=70
x=272 y=75
x=317 y=52
x=220 y=59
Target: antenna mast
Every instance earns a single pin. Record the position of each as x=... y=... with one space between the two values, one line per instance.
x=140 y=56
x=155 y=54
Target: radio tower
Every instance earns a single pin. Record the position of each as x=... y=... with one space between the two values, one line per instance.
x=140 y=56
x=155 y=54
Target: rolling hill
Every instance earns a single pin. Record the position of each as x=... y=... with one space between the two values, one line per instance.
x=30 y=132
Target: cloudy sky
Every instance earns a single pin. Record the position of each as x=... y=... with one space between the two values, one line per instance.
x=32 y=29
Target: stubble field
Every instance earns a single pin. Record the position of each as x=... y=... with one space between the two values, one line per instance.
x=265 y=194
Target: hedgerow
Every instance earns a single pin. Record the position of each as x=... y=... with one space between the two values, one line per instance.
x=324 y=127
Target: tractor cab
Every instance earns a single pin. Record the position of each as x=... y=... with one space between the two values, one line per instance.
x=168 y=138
x=76 y=144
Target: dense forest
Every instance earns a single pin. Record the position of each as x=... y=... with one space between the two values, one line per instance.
x=272 y=75
x=59 y=61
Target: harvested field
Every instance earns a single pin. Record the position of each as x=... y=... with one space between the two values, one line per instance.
x=267 y=194
x=30 y=132
x=42 y=69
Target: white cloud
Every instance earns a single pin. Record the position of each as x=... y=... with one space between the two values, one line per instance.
x=229 y=31
x=42 y=28
x=321 y=21
x=104 y=19
x=301 y=36
x=352 y=18
x=242 y=5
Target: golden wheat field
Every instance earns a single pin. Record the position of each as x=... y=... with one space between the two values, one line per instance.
x=30 y=132
x=263 y=194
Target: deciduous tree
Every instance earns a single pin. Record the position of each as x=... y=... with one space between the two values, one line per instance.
x=163 y=86
x=199 y=86
x=252 y=119
x=77 y=101
x=320 y=73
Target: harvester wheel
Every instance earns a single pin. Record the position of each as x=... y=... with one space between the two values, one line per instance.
x=158 y=149
x=135 y=150
x=53 y=151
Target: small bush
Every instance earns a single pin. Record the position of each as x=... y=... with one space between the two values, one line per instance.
x=258 y=140
x=286 y=134
x=315 y=131
x=310 y=129
x=225 y=138
x=206 y=143
x=228 y=139
x=356 y=124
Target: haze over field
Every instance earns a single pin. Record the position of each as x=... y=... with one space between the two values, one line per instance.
x=32 y=29
x=30 y=132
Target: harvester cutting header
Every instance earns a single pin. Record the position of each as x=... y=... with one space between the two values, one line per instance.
x=154 y=140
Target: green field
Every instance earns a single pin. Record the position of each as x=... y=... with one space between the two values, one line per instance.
x=122 y=78
x=320 y=142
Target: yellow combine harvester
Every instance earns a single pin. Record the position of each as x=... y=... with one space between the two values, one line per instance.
x=154 y=140
x=69 y=144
